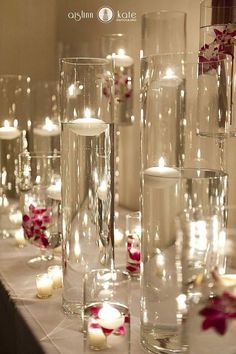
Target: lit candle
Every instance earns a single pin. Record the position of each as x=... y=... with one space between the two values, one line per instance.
x=7 y=132
x=109 y=317
x=96 y=338
x=121 y=59
x=169 y=79
x=168 y=174
x=44 y=285
x=55 y=272
x=118 y=237
x=48 y=129
x=54 y=191
x=88 y=126
x=102 y=191
x=19 y=238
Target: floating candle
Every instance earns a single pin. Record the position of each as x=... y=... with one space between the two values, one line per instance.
x=48 y=129
x=55 y=272
x=9 y=133
x=121 y=59
x=54 y=191
x=109 y=317
x=44 y=285
x=88 y=126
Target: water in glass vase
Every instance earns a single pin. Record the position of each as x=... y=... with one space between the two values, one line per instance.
x=165 y=195
x=196 y=340
x=86 y=202
x=106 y=327
x=10 y=143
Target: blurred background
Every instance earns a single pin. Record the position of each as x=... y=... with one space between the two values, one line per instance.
x=35 y=34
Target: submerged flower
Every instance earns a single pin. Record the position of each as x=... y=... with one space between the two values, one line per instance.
x=219 y=310
x=35 y=225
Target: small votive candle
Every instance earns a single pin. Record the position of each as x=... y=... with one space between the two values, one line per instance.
x=55 y=272
x=118 y=237
x=44 y=285
x=96 y=338
x=19 y=238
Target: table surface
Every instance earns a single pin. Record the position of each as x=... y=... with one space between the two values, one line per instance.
x=39 y=326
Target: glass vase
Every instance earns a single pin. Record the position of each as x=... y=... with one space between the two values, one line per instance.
x=15 y=127
x=39 y=184
x=87 y=173
x=170 y=184
x=116 y=48
x=46 y=114
x=163 y=32
x=206 y=264
x=217 y=36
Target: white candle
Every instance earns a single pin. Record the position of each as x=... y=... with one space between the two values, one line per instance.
x=118 y=237
x=54 y=191
x=8 y=133
x=165 y=174
x=44 y=285
x=55 y=272
x=48 y=129
x=121 y=59
x=19 y=238
x=109 y=317
x=169 y=79
x=96 y=337
x=102 y=191
x=88 y=126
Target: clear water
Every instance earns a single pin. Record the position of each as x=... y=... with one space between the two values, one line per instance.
x=86 y=202
x=163 y=198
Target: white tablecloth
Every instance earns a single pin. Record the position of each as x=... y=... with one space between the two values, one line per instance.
x=39 y=325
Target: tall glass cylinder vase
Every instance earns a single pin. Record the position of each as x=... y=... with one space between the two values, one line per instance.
x=116 y=48
x=171 y=95
x=206 y=265
x=46 y=116
x=163 y=32
x=217 y=35
x=15 y=126
x=87 y=173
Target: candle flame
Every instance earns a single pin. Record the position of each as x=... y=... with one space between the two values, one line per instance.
x=169 y=73
x=121 y=52
x=161 y=162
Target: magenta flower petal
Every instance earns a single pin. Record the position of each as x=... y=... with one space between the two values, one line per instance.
x=94 y=310
x=120 y=331
x=107 y=331
x=26 y=218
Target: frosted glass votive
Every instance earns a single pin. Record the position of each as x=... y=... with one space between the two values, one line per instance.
x=44 y=285
x=55 y=272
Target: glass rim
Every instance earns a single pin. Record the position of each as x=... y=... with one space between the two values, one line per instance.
x=86 y=61
x=185 y=55
x=154 y=14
